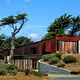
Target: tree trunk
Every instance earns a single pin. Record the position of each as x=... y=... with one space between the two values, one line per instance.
x=12 y=48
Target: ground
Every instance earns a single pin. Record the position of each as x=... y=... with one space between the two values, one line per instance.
x=63 y=77
x=21 y=76
x=74 y=66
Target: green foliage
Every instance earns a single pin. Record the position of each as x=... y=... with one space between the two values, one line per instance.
x=8 y=20
x=49 y=35
x=58 y=55
x=8 y=67
x=75 y=26
x=20 y=70
x=61 y=64
x=54 y=60
x=47 y=57
x=61 y=25
x=11 y=67
x=2 y=42
x=16 y=23
x=13 y=20
x=13 y=72
x=27 y=71
x=3 y=71
x=5 y=42
x=36 y=73
x=22 y=41
x=4 y=66
x=50 y=56
x=69 y=59
x=58 y=27
x=21 y=16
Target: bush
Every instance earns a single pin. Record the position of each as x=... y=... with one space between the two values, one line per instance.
x=61 y=64
x=49 y=56
x=13 y=72
x=46 y=57
x=3 y=71
x=11 y=67
x=8 y=68
x=54 y=60
x=4 y=66
x=58 y=55
x=69 y=59
x=27 y=71
x=36 y=73
x=20 y=70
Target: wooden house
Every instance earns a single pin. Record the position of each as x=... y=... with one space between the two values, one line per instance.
x=26 y=56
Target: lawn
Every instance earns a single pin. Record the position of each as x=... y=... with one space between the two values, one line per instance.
x=22 y=76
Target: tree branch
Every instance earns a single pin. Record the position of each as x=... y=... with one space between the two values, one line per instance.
x=17 y=30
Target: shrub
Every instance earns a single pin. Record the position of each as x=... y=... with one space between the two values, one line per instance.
x=54 y=60
x=69 y=59
x=27 y=71
x=11 y=67
x=58 y=55
x=61 y=64
x=36 y=73
x=4 y=66
x=20 y=70
x=3 y=71
x=13 y=72
x=49 y=56
x=46 y=57
x=8 y=68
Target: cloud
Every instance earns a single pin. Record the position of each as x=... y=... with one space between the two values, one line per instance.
x=34 y=36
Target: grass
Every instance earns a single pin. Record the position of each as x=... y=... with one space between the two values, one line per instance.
x=73 y=66
x=21 y=76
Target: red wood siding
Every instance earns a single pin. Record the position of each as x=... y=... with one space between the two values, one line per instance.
x=47 y=46
x=50 y=46
x=68 y=38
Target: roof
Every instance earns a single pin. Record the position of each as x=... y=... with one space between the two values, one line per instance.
x=66 y=38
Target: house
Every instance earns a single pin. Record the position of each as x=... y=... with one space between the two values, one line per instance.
x=26 y=56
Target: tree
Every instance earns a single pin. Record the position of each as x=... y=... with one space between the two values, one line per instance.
x=75 y=26
x=58 y=27
x=2 y=42
x=49 y=35
x=22 y=41
x=5 y=42
x=16 y=23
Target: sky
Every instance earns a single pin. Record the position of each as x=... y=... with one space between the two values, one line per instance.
x=41 y=13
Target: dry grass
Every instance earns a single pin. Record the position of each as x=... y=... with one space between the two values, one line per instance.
x=73 y=66
x=21 y=76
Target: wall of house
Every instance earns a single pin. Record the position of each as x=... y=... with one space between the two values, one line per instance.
x=22 y=63
x=67 y=46
x=26 y=61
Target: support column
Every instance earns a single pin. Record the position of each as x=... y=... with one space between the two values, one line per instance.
x=79 y=46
